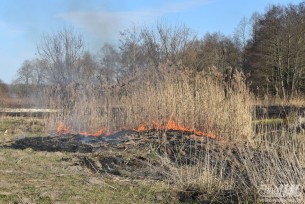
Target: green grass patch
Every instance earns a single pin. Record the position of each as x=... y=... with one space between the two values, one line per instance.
x=270 y=121
x=11 y=127
x=29 y=176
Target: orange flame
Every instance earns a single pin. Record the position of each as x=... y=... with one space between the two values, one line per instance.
x=141 y=128
x=62 y=129
x=97 y=134
x=172 y=125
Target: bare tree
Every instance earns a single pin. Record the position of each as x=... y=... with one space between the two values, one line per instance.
x=240 y=37
x=25 y=73
x=29 y=78
x=132 y=53
x=214 y=50
x=110 y=60
x=61 y=53
x=275 y=56
x=166 y=43
x=3 y=89
x=88 y=68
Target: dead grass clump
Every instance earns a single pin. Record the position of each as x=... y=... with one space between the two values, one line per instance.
x=203 y=182
x=297 y=101
x=192 y=99
x=274 y=169
x=15 y=102
x=238 y=173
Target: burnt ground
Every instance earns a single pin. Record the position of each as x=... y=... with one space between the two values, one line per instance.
x=129 y=157
x=136 y=155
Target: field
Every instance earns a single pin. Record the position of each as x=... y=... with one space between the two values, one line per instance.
x=154 y=113
x=181 y=140
x=29 y=176
x=146 y=174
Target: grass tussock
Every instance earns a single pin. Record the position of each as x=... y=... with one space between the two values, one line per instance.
x=195 y=100
x=241 y=173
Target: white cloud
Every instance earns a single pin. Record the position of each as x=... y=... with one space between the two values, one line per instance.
x=106 y=25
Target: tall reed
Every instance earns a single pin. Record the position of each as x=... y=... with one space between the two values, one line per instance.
x=192 y=99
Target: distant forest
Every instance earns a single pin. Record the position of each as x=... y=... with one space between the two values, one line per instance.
x=268 y=49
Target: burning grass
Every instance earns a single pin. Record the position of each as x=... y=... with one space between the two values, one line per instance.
x=185 y=168
x=199 y=169
x=169 y=125
x=179 y=128
x=155 y=99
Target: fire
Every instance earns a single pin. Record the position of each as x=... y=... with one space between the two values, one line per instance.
x=140 y=128
x=172 y=125
x=97 y=134
x=62 y=129
x=169 y=125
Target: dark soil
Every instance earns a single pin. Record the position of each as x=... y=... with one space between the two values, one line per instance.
x=182 y=148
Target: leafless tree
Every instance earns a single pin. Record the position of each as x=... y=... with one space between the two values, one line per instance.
x=132 y=52
x=240 y=37
x=213 y=51
x=110 y=70
x=29 y=78
x=61 y=53
x=165 y=43
x=88 y=68
x=275 y=55
x=4 y=89
x=25 y=73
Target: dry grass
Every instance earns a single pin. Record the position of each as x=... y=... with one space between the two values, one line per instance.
x=29 y=176
x=17 y=102
x=203 y=182
x=275 y=156
x=47 y=177
x=297 y=100
x=195 y=100
x=274 y=160
x=11 y=127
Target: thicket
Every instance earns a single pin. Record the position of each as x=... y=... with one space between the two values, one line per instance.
x=274 y=55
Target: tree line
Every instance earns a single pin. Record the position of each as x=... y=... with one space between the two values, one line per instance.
x=268 y=49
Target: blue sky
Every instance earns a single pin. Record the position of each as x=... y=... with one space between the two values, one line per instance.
x=23 y=22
